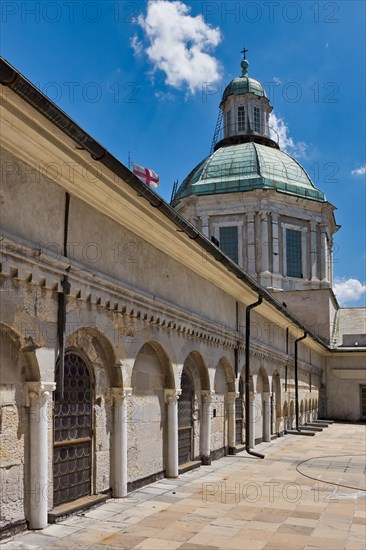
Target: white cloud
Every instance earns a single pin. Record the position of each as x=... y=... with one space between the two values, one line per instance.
x=359 y=171
x=279 y=131
x=165 y=96
x=136 y=45
x=276 y=80
x=348 y=290
x=178 y=44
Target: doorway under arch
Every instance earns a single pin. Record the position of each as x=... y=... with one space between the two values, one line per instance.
x=73 y=431
x=185 y=418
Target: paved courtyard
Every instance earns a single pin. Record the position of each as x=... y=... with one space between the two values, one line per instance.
x=308 y=492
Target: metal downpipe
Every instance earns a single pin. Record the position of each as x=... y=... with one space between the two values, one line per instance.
x=247 y=376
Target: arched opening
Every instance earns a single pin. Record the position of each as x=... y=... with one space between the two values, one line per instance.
x=147 y=421
x=239 y=414
x=73 y=443
x=185 y=418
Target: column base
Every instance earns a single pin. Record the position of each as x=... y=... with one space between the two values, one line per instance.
x=232 y=450
x=206 y=460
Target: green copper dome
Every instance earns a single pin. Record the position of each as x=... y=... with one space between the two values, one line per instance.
x=243 y=85
x=248 y=166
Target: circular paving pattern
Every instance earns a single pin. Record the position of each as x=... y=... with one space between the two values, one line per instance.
x=346 y=471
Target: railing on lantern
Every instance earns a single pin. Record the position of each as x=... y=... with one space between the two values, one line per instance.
x=243 y=130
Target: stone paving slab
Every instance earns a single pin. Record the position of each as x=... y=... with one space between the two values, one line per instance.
x=291 y=499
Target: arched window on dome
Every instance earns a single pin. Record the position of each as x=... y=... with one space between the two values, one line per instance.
x=241 y=118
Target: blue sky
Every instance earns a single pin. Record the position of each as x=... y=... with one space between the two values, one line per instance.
x=147 y=77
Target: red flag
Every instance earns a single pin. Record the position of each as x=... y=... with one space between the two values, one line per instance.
x=146 y=175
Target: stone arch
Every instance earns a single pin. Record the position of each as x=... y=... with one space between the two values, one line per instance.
x=98 y=350
x=152 y=374
x=26 y=350
x=229 y=373
x=18 y=365
x=198 y=366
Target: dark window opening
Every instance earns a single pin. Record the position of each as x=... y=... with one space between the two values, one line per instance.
x=229 y=242
x=294 y=253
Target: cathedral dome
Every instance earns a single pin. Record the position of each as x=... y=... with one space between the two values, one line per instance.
x=243 y=85
x=248 y=166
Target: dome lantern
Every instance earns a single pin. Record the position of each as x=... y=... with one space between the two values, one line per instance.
x=245 y=111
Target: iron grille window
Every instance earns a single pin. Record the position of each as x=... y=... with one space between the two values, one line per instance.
x=257 y=119
x=363 y=401
x=293 y=253
x=229 y=241
x=228 y=123
x=241 y=119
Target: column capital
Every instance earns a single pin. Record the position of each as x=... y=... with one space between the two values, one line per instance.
x=266 y=395
x=172 y=396
x=253 y=395
x=119 y=394
x=232 y=396
x=39 y=390
x=207 y=396
x=275 y=217
x=313 y=225
x=263 y=215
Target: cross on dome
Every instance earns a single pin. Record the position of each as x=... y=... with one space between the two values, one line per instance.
x=244 y=64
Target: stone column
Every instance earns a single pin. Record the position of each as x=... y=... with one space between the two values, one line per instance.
x=264 y=242
x=265 y=276
x=120 y=445
x=205 y=227
x=171 y=399
x=273 y=414
x=38 y=396
x=252 y=418
x=276 y=252
x=231 y=397
x=266 y=416
x=205 y=438
x=324 y=254
x=314 y=252
x=251 y=244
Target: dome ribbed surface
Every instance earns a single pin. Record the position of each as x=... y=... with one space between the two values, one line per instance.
x=243 y=85
x=245 y=167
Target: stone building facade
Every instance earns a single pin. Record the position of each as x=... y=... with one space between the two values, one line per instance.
x=123 y=327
